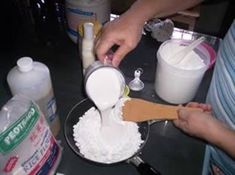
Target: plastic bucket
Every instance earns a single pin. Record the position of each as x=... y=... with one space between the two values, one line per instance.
x=80 y=11
x=175 y=84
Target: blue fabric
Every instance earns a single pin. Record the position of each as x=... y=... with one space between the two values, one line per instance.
x=221 y=96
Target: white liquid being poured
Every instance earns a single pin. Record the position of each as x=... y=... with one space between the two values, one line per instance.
x=102 y=135
x=105 y=92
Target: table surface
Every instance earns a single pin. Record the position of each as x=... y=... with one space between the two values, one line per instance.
x=168 y=149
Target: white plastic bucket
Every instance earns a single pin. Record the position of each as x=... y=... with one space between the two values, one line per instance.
x=81 y=11
x=175 y=84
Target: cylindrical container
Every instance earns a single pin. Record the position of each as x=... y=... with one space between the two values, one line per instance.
x=81 y=11
x=178 y=83
x=33 y=80
x=106 y=81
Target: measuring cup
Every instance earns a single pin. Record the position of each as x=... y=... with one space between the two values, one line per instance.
x=96 y=83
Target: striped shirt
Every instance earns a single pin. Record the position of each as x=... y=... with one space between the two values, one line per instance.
x=221 y=96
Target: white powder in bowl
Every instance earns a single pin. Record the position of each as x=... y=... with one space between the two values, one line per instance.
x=93 y=144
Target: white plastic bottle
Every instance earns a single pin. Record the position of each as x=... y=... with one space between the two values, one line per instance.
x=32 y=79
x=88 y=45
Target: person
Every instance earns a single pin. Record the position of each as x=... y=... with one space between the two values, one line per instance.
x=216 y=124
x=126 y=30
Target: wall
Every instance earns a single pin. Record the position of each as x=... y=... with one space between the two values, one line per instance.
x=211 y=18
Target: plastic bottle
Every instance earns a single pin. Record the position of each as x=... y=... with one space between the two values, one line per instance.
x=88 y=45
x=32 y=79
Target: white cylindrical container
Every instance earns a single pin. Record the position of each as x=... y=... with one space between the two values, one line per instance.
x=81 y=11
x=33 y=80
x=178 y=83
x=88 y=56
x=104 y=84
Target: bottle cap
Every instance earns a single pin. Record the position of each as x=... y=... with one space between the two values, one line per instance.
x=136 y=84
x=88 y=30
x=25 y=64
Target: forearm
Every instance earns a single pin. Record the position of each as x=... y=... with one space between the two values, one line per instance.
x=143 y=10
x=222 y=137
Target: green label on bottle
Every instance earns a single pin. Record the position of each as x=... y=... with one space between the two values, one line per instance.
x=14 y=135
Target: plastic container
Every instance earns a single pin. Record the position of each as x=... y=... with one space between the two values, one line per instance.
x=106 y=81
x=81 y=11
x=27 y=145
x=177 y=84
x=212 y=53
x=32 y=79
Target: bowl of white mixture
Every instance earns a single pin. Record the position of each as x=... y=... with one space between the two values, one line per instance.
x=95 y=129
x=83 y=134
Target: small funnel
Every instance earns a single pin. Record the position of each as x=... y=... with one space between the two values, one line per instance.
x=136 y=84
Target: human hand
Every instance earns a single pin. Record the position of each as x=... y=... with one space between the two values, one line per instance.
x=124 y=32
x=204 y=107
x=196 y=123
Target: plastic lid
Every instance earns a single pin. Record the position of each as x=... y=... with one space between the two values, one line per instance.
x=25 y=64
x=88 y=30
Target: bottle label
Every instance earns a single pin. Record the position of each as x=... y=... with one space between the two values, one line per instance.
x=48 y=107
x=51 y=109
x=28 y=146
x=13 y=135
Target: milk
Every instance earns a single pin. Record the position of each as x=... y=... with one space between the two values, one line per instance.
x=105 y=86
x=178 y=83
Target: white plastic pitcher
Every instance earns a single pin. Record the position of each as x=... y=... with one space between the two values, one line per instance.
x=175 y=84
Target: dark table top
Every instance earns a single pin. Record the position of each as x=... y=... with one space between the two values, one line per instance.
x=168 y=149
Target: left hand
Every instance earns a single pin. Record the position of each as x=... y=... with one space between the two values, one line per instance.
x=195 y=123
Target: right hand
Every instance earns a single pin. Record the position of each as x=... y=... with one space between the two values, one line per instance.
x=124 y=32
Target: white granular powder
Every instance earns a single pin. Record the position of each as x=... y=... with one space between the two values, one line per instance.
x=93 y=143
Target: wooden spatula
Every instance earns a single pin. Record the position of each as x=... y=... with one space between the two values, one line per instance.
x=139 y=110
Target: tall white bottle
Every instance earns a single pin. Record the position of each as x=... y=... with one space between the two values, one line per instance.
x=88 y=45
x=32 y=79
